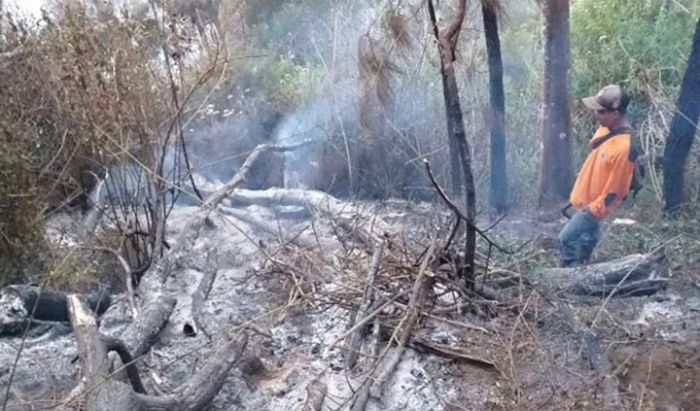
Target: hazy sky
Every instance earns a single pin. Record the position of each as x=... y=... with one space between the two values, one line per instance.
x=26 y=6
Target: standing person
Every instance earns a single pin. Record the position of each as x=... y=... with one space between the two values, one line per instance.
x=604 y=179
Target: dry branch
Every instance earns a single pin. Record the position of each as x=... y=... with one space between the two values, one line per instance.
x=114 y=344
x=355 y=338
x=385 y=365
x=140 y=335
x=106 y=393
x=202 y=387
x=458 y=213
x=452 y=353
x=410 y=319
x=201 y=294
x=102 y=393
x=225 y=191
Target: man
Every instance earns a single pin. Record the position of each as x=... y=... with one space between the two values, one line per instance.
x=604 y=179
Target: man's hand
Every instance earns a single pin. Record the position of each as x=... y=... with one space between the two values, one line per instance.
x=564 y=211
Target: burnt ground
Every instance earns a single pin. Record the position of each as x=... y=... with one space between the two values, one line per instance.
x=650 y=341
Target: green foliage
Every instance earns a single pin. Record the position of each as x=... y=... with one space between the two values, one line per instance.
x=288 y=84
x=639 y=44
x=285 y=27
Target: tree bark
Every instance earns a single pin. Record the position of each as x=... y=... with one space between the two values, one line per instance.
x=498 y=194
x=447 y=41
x=683 y=128
x=556 y=174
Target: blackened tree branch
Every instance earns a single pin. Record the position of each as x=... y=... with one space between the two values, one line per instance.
x=452 y=206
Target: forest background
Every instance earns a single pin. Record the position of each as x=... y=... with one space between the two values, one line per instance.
x=157 y=90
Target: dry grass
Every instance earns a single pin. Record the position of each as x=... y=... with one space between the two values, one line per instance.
x=87 y=91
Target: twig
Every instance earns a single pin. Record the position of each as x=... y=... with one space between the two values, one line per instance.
x=366 y=319
x=354 y=340
x=452 y=353
x=315 y=394
x=127 y=278
x=407 y=323
x=401 y=335
x=459 y=213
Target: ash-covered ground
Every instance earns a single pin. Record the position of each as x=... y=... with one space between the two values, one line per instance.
x=290 y=276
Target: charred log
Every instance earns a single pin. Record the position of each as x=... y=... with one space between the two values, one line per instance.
x=111 y=394
x=141 y=334
x=367 y=231
x=19 y=303
x=118 y=346
x=638 y=274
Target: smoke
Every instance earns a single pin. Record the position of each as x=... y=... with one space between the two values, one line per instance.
x=262 y=103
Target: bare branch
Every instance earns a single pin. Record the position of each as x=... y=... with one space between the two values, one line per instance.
x=452 y=31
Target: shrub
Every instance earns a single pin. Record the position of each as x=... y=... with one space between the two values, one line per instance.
x=88 y=90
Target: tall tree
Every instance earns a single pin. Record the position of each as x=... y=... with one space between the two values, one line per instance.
x=447 y=41
x=556 y=173
x=498 y=193
x=683 y=128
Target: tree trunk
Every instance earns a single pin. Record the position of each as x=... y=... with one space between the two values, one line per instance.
x=556 y=174
x=498 y=194
x=447 y=41
x=683 y=128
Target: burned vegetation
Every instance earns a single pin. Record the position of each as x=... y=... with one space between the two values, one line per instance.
x=264 y=205
x=287 y=298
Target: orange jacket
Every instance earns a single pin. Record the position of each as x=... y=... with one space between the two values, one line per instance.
x=605 y=177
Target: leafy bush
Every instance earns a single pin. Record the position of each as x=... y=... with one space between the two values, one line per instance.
x=638 y=44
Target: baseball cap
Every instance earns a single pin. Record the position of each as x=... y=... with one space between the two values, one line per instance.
x=610 y=97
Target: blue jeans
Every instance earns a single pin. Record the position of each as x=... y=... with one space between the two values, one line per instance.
x=577 y=239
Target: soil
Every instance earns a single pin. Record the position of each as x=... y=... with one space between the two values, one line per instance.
x=660 y=376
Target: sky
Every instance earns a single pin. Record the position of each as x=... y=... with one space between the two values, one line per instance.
x=30 y=7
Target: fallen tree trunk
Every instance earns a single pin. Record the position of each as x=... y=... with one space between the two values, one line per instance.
x=20 y=302
x=106 y=393
x=369 y=230
x=638 y=274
